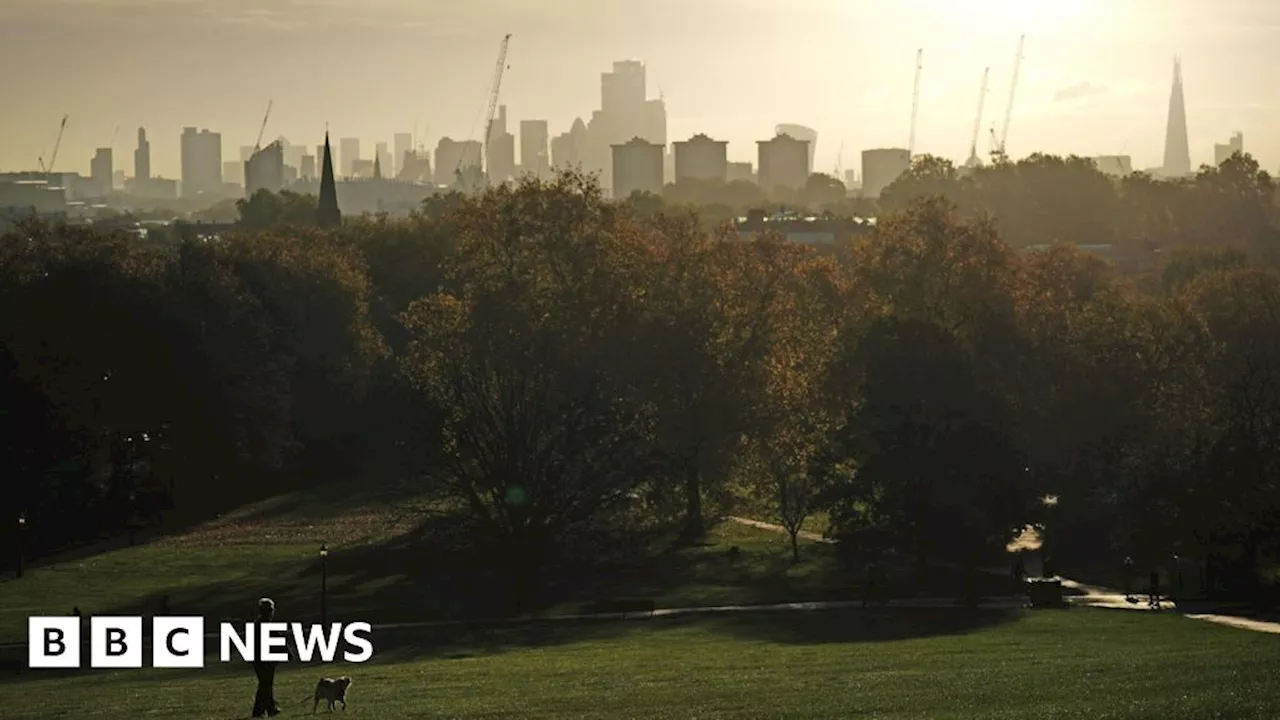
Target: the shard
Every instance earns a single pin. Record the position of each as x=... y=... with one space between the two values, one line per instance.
x=1177 y=153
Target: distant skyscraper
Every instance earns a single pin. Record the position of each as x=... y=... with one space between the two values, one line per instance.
x=881 y=167
x=201 y=162
x=100 y=171
x=401 y=143
x=327 y=213
x=454 y=156
x=534 y=151
x=568 y=150
x=500 y=153
x=348 y=154
x=265 y=170
x=1177 y=152
x=307 y=168
x=142 y=157
x=1222 y=153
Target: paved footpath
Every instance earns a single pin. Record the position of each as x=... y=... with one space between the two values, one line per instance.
x=1089 y=595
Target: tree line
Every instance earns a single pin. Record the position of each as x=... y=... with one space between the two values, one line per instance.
x=562 y=367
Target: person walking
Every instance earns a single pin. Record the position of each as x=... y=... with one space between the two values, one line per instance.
x=1128 y=576
x=264 y=702
x=1019 y=573
x=1153 y=591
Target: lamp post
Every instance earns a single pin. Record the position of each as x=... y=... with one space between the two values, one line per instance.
x=22 y=540
x=324 y=584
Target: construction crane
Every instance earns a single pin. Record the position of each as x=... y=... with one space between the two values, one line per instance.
x=493 y=101
x=1013 y=90
x=977 y=122
x=257 y=145
x=915 y=103
x=56 y=144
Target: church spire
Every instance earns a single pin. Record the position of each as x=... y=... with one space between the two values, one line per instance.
x=328 y=215
x=377 y=167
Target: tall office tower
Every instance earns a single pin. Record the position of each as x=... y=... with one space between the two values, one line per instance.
x=1222 y=153
x=1177 y=152
x=348 y=154
x=307 y=167
x=401 y=143
x=800 y=132
x=201 y=162
x=534 y=149
x=142 y=157
x=100 y=172
x=265 y=170
x=500 y=150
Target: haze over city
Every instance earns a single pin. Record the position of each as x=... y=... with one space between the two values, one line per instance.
x=1095 y=76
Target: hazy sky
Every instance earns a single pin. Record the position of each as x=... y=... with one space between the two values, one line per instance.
x=1095 y=77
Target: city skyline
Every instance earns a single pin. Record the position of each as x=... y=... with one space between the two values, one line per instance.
x=832 y=71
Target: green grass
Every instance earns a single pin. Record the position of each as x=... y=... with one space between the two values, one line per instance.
x=1081 y=663
x=385 y=567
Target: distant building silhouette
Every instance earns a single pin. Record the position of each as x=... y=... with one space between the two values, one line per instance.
x=800 y=132
x=142 y=157
x=535 y=153
x=500 y=155
x=453 y=156
x=783 y=163
x=307 y=167
x=1222 y=153
x=881 y=167
x=701 y=158
x=1115 y=165
x=327 y=213
x=361 y=169
x=201 y=162
x=570 y=149
x=415 y=166
x=624 y=113
x=101 y=172
x=1177 y=153
x=401 y=143
x=348 y=154
x=265 y=170
x=637 y=167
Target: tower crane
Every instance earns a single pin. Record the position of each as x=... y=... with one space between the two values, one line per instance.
x=1013 y=89
x=56 y=144
x=257 y=145
x=493 y=101
x=977 y=122
x=915 y=103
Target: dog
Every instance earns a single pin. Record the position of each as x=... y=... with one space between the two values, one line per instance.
x=331 y=691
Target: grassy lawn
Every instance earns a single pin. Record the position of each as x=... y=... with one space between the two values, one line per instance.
x=1081 y=663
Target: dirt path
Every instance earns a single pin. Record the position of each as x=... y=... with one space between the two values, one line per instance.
x=1089 y=595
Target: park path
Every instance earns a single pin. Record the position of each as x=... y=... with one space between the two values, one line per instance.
x=1090 y=595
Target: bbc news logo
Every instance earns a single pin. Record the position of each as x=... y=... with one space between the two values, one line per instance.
x=178 y=642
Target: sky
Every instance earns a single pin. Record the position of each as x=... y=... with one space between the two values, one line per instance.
x=1095 y=77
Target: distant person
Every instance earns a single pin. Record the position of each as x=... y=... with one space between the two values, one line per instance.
x=264 y=702
x=1019 y=573
x=1128 y=576
x=1153 y=591
x=869 y=587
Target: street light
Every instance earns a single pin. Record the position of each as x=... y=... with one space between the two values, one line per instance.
x=22 y=531
x=324 y=584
